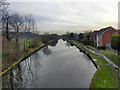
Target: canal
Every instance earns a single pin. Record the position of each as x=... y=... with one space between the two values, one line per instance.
x=58 y=65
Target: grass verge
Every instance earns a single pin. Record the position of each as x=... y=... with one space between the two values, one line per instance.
x=24 y=56
x=106 y=76
x=114 y=58
x=13 y=53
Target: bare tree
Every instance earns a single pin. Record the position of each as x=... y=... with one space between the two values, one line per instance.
x=16 y=23
x=33 y=27
x=4 y=16
x=29 y=23
x=3 y=5
x=5 y=24
x=11 y=23
x=29 y=26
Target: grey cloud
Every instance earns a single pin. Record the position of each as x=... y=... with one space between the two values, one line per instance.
x=70 y=15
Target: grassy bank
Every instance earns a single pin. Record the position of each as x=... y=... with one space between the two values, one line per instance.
x=114 y=58
x=106 y=76
x=13 y=54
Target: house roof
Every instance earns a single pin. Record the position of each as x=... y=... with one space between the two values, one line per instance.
x=103 y=30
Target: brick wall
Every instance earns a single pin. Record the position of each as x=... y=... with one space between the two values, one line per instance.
x=107 y=36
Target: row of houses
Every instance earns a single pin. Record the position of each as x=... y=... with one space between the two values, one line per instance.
x=102 y=38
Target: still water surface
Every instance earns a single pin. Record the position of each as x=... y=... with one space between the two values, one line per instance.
x=58 y=65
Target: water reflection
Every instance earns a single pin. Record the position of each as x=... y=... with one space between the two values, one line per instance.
x=54 y=43
x=71 y=44
x=46 y=50
x=15 y=78
x=68 y=44
x=64 y=68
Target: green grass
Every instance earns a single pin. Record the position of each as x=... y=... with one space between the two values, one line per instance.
x=21 y=43
x=106 y=76
x=93 y=48
x=23 y=56
x=114 y=58
x=27 y=42
x=11 y=53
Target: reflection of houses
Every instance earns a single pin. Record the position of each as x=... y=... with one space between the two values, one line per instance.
x=102 y=38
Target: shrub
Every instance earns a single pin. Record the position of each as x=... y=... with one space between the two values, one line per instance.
x=115 y=42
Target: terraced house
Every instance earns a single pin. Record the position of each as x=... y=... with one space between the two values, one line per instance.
x=102 y=38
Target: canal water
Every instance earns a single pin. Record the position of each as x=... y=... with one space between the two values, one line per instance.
x=58 y=65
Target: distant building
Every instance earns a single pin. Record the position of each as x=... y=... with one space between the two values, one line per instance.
x=102 y=38
x=76 y=36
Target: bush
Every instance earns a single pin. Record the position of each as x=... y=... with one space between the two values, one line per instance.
x=115 y=42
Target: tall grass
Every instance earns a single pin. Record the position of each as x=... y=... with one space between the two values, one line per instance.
x=12 y=51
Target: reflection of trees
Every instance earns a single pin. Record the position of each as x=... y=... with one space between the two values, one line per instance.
x=17 y=77
x=13 y=79
x=7 y=80
x=46 y=50
x=24 y=74
x=37 y=58
x=28 y=67
x=37 y=64
x=53 y=43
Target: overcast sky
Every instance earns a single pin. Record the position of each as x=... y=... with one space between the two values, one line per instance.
x=60 y=16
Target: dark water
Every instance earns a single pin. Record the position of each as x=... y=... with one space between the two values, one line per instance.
x=54 y=66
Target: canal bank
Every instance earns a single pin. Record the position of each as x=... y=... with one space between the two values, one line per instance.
x=26 y=55
x=87 y=54
x=106 y=75
x=54 y=66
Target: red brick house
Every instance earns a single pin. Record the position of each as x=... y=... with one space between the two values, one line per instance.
x=102 y=38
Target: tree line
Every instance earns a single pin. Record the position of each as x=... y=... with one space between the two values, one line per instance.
x=14 y=23
x=85 y=38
